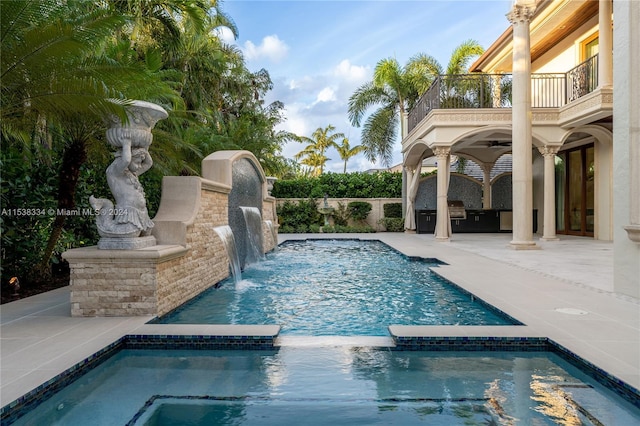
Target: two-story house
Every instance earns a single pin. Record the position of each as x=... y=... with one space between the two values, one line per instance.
x=542 y=92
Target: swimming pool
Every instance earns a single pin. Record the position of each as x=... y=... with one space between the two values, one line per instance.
x=338 y=287
x=332 y=385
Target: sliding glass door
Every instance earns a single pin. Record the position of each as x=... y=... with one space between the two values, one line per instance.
x=575 y=191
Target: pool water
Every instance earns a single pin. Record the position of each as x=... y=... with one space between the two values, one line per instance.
x=332 y=385
x=337 y=287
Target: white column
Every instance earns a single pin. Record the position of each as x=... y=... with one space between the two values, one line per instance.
x=626 y=149
x=522 y=175
x=486 y=185
x=626 y=131
x=605 y=35
x=442 y=214
x=549 y=231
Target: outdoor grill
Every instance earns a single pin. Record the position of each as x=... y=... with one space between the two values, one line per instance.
x=456 y=209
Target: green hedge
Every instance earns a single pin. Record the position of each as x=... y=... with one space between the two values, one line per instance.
x=339 y=185
x=392 y=210
x=359 y=210
x=299 y=217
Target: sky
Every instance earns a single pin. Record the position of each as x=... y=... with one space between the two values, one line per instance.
x=319 y=52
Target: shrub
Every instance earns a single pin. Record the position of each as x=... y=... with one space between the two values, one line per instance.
x=341 y=215
x=285 y=229
x=359 y=210
x=392 y=224
x=315 y=228
x=392 y=210
x=298 y=217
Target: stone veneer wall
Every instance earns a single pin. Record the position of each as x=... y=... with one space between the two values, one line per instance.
x=206 y=262
x=461 y=187
x=269 y=240
x=501 y=192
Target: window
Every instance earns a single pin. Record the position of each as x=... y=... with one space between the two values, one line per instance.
x=589 y=47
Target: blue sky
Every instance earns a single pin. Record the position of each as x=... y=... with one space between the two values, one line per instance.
x=319 y=52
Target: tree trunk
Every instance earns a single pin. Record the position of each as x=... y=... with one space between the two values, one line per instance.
x=74 y=156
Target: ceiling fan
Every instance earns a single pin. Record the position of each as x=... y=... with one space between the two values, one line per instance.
x=498 y=144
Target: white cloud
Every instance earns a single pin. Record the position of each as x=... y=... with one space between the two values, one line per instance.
x=271 y=48
x=326 y=95
x=346 y=70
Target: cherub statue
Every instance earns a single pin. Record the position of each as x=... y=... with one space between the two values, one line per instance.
x=129 y=217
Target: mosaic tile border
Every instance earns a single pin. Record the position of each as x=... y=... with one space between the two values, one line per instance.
x=515 y=344
x=481 y=302
x=610 y=381
x=16 y=409
x=470 y=343
x=199 y=342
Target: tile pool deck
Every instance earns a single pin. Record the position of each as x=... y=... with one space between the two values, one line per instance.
x=39 y=338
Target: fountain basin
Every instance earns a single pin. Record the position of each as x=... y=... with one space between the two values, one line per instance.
x=326 y=210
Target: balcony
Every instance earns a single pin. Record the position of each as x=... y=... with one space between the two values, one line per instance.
x=493 y=91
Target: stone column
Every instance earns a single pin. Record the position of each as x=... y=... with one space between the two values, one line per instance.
x=626 y=149
x=626 y=129
x=605 y=57
x=442 y=216
x=549 y=154
x=486 y=185
x=520 y=16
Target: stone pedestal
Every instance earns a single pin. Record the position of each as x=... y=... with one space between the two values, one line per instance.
x=124 y=282
x=135 y=243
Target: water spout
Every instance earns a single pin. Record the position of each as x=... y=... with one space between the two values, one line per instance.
x=226 y=235
x=274 y=233
x=253 y=221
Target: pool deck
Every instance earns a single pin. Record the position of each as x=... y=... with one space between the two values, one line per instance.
x=564 y=291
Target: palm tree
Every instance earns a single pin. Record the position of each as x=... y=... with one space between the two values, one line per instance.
x=346 y=152
x=395 y=89
x=314 y=153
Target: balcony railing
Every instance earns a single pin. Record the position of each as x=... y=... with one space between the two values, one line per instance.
x=480 y=90
x=582 y=79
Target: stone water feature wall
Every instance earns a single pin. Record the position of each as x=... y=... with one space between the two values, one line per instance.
x=241 y=171
x=461 y=187
x=189 y=256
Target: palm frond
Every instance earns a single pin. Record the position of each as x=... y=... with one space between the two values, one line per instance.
x=365 y=96
x=378 y=134
x=422 y=69
x=462 y=55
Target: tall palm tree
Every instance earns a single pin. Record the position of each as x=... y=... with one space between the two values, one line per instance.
x=314 y=153
x=315 y=161
x=395 y=89
x=346 y=152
